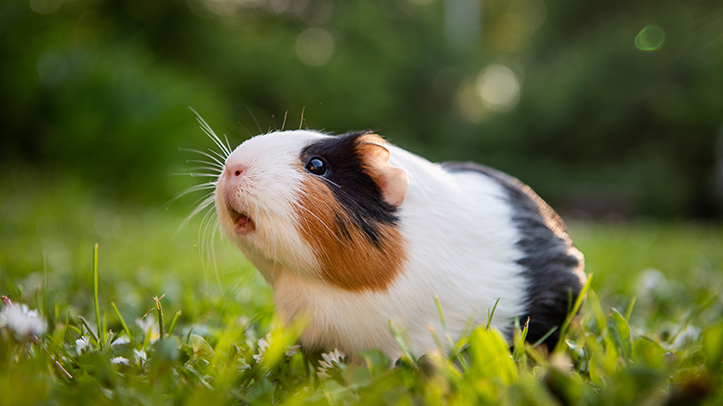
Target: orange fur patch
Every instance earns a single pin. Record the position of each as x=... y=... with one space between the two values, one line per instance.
x=348 y=258
x=371 y=138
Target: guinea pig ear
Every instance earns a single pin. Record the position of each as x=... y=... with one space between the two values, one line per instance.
x=393 y=181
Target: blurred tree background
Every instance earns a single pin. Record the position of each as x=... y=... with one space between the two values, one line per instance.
x=607 y=109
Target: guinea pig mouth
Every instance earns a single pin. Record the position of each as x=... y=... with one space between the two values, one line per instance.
x=242 y=223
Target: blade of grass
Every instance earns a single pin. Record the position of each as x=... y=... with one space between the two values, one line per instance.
x=66 y=326
x=56 y=311
x=436 y=338
x=159 y=309
x=467 y=330
x=629 y=310
x=108 y=340
x=60 y=368
x=105 y=331
x=573 y=313
x=402 y=344
x=491 y=314
x=569 y=300
x=122 y=322
x=520 y=336
x=535 y=355
x=463 y=342
x=444 y=323
x=543 y=338
x=45 y=311
x=76 y=330
x=90 y=331
x=95 y=293
x=174 y=322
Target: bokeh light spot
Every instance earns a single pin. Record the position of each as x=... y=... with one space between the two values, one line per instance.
x=650 y=38
x=45 y=6
x=315 y=46
x=499 y=87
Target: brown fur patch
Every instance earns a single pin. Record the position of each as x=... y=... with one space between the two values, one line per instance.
x=348 y=258
x=366 y=144
x=371 y=138
x=392 y=181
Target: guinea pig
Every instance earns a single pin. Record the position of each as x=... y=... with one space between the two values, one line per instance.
x=351 y=232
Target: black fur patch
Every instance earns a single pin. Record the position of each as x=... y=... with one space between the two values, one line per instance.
x=353 y=188
x=550 y=269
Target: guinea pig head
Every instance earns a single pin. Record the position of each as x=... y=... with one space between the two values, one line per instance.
x=323 y=207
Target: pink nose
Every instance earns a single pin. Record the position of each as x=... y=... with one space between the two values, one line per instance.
x=234 y=171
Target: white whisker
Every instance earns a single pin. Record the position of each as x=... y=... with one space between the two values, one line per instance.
x=206 y=201
x=329 y=181
x=196 y=188
x=206 y=168
x=218 y=155
x=211 y=134
x=207 y=247
x=196 y=175
x=204 y=154
x=212 y=164
x=202 y=186
x=228 y=144
x=211 y=167
x=254 y=117
x=203 y=201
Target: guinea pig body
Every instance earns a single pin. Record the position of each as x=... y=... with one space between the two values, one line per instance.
x=352 y=232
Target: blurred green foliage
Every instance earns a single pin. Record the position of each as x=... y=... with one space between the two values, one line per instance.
x=602 y=107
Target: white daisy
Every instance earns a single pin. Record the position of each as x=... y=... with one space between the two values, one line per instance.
x=331 y=360
x=139 y=357
x=121 y=340
x=292 y=350
x=264 y=344
x=120 y=361
x=82 y=345
x=26 y=325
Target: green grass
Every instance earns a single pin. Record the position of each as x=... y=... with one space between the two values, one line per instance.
x=649 y=333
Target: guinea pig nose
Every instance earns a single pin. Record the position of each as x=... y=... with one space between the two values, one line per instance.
x=235 y=170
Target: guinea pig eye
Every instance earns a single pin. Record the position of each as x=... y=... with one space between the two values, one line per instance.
x=317 y=166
